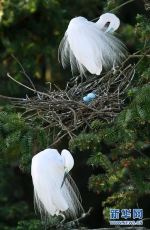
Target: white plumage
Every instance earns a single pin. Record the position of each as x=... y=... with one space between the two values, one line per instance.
x=108 y=17
x=47 y=170
x=89 y=46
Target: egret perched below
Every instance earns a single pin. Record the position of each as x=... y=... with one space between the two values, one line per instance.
x=54 y=189
x=89 y=46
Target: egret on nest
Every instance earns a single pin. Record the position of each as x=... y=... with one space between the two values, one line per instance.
x=91 y=46
x=54 y=190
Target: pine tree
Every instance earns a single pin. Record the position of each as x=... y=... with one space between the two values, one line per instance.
x=126 y=165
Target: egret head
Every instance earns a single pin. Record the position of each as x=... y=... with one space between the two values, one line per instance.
x=108 y=17
x=68 y=163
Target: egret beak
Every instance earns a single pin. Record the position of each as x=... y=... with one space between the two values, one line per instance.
x=65 y=176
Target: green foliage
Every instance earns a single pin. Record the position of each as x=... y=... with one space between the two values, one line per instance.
x=85 y=142
x=12 y=207
x=142 y=29
x=126 y=167
x=37 y=224
x=18 y=138
x=128 y=35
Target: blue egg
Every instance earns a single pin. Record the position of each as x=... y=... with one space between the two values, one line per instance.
x=91 y=95
x=86 y=99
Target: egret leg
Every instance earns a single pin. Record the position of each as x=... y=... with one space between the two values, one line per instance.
x=71 y=223
x=82 y=87
x=64 y=218
x=98 y=92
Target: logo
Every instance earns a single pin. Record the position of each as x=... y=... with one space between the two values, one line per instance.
x=135 y=214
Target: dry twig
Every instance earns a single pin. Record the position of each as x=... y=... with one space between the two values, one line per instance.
x=64 y=111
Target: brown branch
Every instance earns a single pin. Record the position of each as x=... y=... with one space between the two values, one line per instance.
x=26 y=86
x=121 y=5
x=11 y=98
x=59 y=139
x=115 y=9
x=24 y=71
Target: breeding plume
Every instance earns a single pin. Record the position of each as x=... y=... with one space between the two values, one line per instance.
x=89 y=46
x=54 y=189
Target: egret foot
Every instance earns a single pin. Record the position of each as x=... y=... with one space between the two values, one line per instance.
x=64 y=218
x=61 y=223
x=76 y=221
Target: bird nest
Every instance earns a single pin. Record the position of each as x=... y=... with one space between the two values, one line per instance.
x=64 y=111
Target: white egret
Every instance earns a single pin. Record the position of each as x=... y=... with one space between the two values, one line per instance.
x=90 y=46
x=49 y=170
